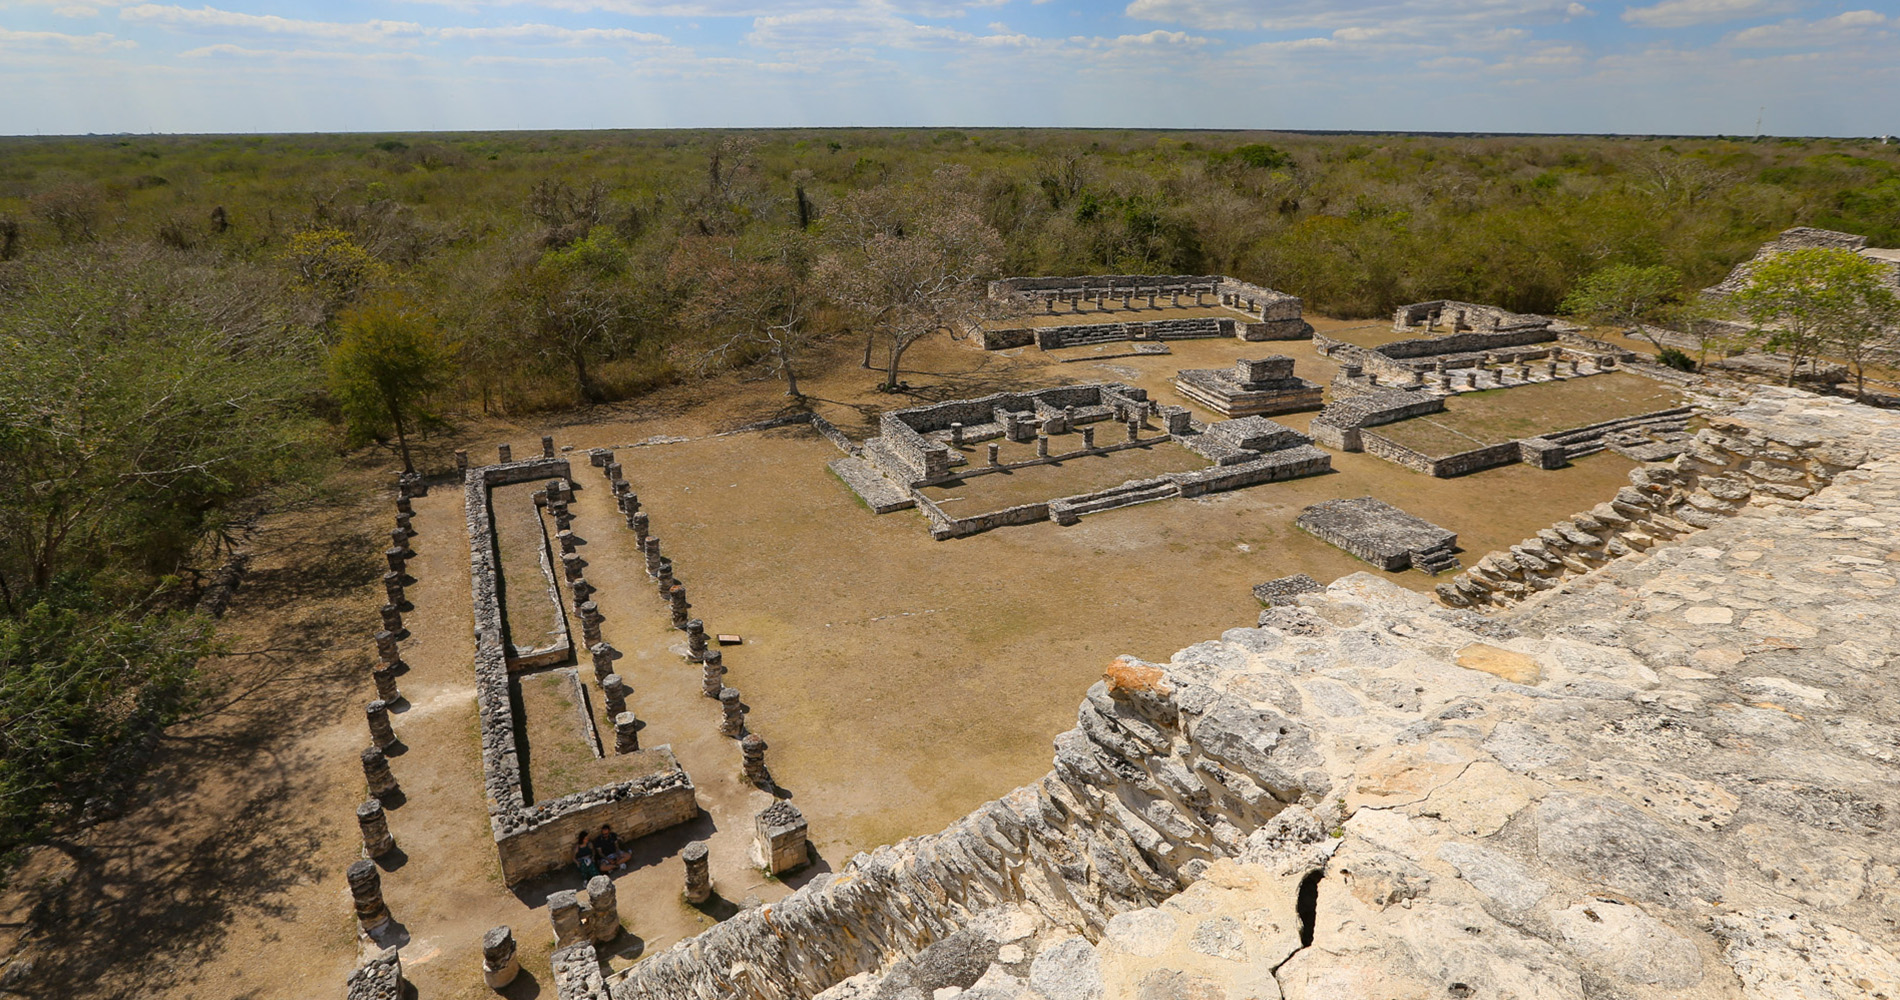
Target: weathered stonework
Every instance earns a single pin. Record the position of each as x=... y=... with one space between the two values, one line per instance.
x=1258 y=386
x=534 y=839
x=1381 y=534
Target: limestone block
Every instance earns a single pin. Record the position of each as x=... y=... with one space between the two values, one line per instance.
x=779 y=842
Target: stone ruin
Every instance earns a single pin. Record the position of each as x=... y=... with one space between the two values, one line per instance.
x=1806 y=238
x=532 y=839
x=1668 y=783
x=1458 y=317
x=1381 y=534
x=1274 y=315
x=1286 y=589
x=921 y=447
x=1653 y=777
x=1252 y=387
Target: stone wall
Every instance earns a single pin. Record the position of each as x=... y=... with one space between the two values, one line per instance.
x=533 y=840
x=1161 y=775
x=1463 y=343
x=1797 y=238
x=1754 y=455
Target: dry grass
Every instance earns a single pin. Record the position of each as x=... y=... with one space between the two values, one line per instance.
x=1068 y=477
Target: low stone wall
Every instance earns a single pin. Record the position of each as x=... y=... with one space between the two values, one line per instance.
x=533 y=840
x=1081 y=334
x=1756 y=454
x=1140 y=283
x=1570 y=338
x=1462 y=343
x=1384 y=447
x=943 y=526
x=1287 y=463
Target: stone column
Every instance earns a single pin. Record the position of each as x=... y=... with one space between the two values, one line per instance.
x=614 y=472
x=386 y=649
x=392 y=619
x=403 y=520
x=499 y=964
x=1573 y=366
x=604 y=655
x=752 y=747
x=1042 y=445
x=392 y=588
x=695 y=640
x=779 y=843
x=601 y=917
x=565 y=539
x=1551 y=369
x=653 y=556
x=629 y=504
x=375 y=829
x=615 y=690
x=377 y=775
x=956 y=433
x=665 y=580
x=564 y=912
x=382 y=735
x=638 y=522
x=1049 y=304
x=1134 y=429
x=366 y=890
x=995 y=451
x=590 y=623
x=547 y=446
x=394 y=557
x=1471 y=378
x=713 y=673
x=698 y=872
x=676 y=596
x=582 y=591
x=1088 y=439
x=1151 y=298
x=571 y=566
x=461 y=459
x=385 y=678
x=733 y=722
x=626 y=733
x=505 y=454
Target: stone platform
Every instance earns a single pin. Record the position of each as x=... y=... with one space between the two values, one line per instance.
x=1381 y=534
x=1253 y=387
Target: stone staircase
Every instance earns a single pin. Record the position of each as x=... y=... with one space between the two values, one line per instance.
x=1435 y=560
x=1581 y=441
x=1069 y=510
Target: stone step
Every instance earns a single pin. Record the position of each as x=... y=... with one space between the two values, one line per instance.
x=872 y=486
x=1068 y=509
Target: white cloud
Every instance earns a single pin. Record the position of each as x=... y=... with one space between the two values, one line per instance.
x=227 y=51
x=1688 y=13
x=550 y=34
x=1853 y=26
x=211 y=19
x=1408 y=17
x=96 y=42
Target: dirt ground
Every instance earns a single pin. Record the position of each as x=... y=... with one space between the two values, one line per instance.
x=899 y=681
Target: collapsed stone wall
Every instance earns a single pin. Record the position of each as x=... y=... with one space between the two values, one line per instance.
x=1753 y=456
x=1162 y=774
x=534 y=839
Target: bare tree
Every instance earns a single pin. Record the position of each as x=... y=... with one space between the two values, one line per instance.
x=755 y=297
x=911 y=264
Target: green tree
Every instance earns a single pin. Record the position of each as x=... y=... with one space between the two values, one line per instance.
x=83 y=697
x=331 y=264
x=137 y=419
x=1802 y=301
x=390 y=359
x=1626 y=296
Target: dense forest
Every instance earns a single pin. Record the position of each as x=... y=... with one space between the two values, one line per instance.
x=189 y=325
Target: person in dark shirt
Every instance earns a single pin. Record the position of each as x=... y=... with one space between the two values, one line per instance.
x=607 y=848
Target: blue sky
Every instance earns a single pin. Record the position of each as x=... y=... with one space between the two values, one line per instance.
x=1689 y=66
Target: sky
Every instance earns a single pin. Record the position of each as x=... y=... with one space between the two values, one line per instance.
x=1670 y=66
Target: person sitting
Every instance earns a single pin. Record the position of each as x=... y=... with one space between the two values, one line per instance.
x=607 y=847
x=586 y=861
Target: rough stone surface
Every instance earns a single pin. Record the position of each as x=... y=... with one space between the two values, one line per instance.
x=1649 y=804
